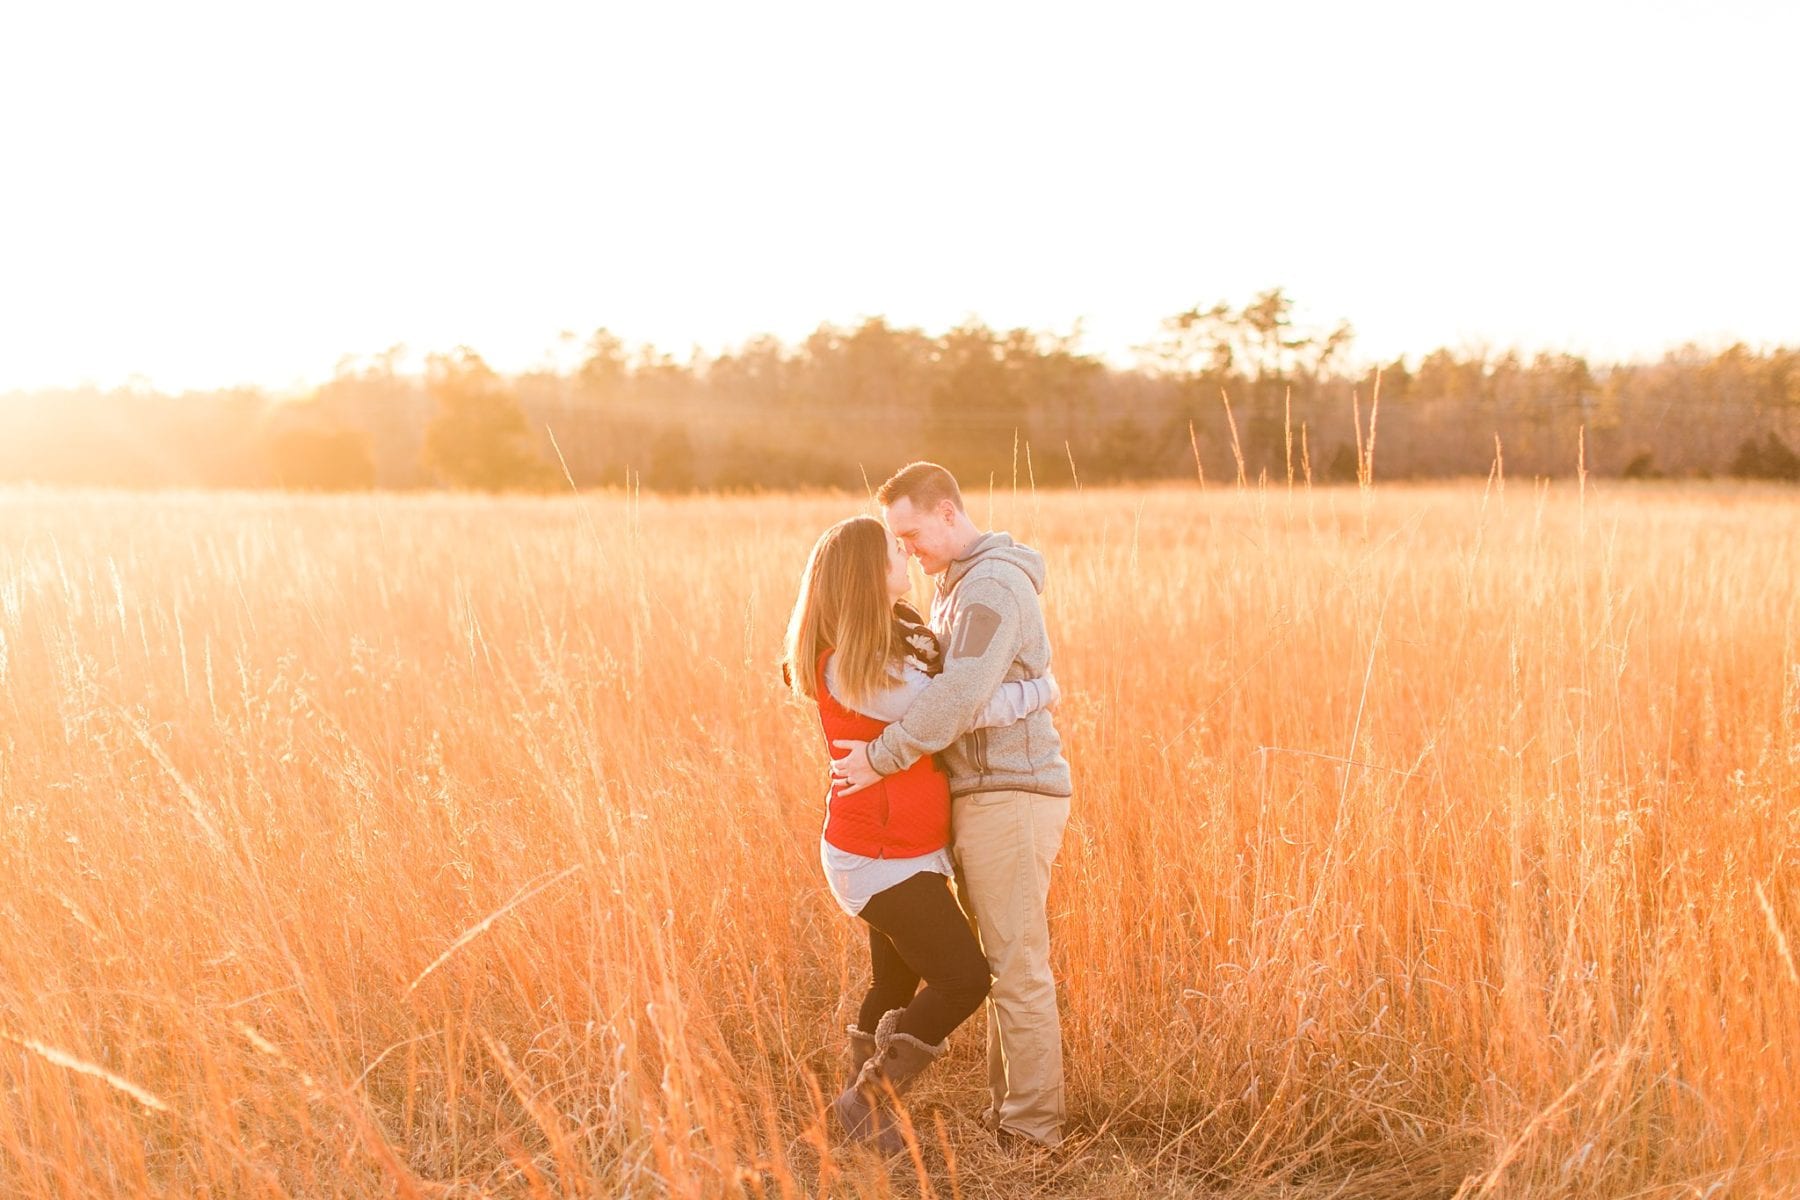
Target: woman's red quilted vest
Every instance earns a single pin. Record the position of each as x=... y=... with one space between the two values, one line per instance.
x=903 y=815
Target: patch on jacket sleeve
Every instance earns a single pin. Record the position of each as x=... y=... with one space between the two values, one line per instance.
x=976 y=626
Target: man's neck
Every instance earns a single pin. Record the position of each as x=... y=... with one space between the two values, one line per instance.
x=970 y=535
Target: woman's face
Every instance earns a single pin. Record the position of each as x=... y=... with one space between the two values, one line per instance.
x=899 y=574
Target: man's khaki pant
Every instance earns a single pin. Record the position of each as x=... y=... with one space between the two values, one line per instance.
x=1004 y=845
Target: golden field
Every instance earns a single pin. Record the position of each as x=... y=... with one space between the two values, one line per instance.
x=1426 y=841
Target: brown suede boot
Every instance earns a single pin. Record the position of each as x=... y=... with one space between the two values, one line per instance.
x=899 y=1060
x=855 y=1105
x=862 y=1049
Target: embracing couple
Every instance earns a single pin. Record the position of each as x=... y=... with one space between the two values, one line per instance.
x=944 y=763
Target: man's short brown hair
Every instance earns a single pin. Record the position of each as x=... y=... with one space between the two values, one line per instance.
x=924 y=483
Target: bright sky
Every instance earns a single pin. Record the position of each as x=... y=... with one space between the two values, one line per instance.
x=209 y=194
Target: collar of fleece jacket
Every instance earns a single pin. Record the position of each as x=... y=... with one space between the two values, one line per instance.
x=994 y=547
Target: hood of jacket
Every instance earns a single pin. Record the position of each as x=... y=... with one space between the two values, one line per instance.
x=996 y=547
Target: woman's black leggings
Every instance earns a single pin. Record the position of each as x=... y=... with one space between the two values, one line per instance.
x=917 y=931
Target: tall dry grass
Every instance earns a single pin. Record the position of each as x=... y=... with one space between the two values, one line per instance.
x=1425 y=841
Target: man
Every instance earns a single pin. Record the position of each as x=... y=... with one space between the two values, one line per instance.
x=1009 y=786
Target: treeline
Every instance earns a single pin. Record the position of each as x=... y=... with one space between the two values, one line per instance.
x=1217 y=391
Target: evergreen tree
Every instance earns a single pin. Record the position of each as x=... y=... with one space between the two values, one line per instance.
x=478 y=437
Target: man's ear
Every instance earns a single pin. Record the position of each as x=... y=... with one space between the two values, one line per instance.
x=947 y=510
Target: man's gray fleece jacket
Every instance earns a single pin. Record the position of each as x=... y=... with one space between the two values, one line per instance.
x=987 y=617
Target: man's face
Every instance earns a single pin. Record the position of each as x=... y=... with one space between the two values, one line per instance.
x=926 y=533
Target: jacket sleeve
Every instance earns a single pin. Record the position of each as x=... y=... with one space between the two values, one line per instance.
x=982 y=645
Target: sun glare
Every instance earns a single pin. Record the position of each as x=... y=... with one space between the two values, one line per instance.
x=204 y=197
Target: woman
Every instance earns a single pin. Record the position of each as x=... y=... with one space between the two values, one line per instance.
x=863 y=654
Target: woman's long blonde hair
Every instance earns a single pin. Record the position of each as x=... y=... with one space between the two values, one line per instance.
x=844 y=607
